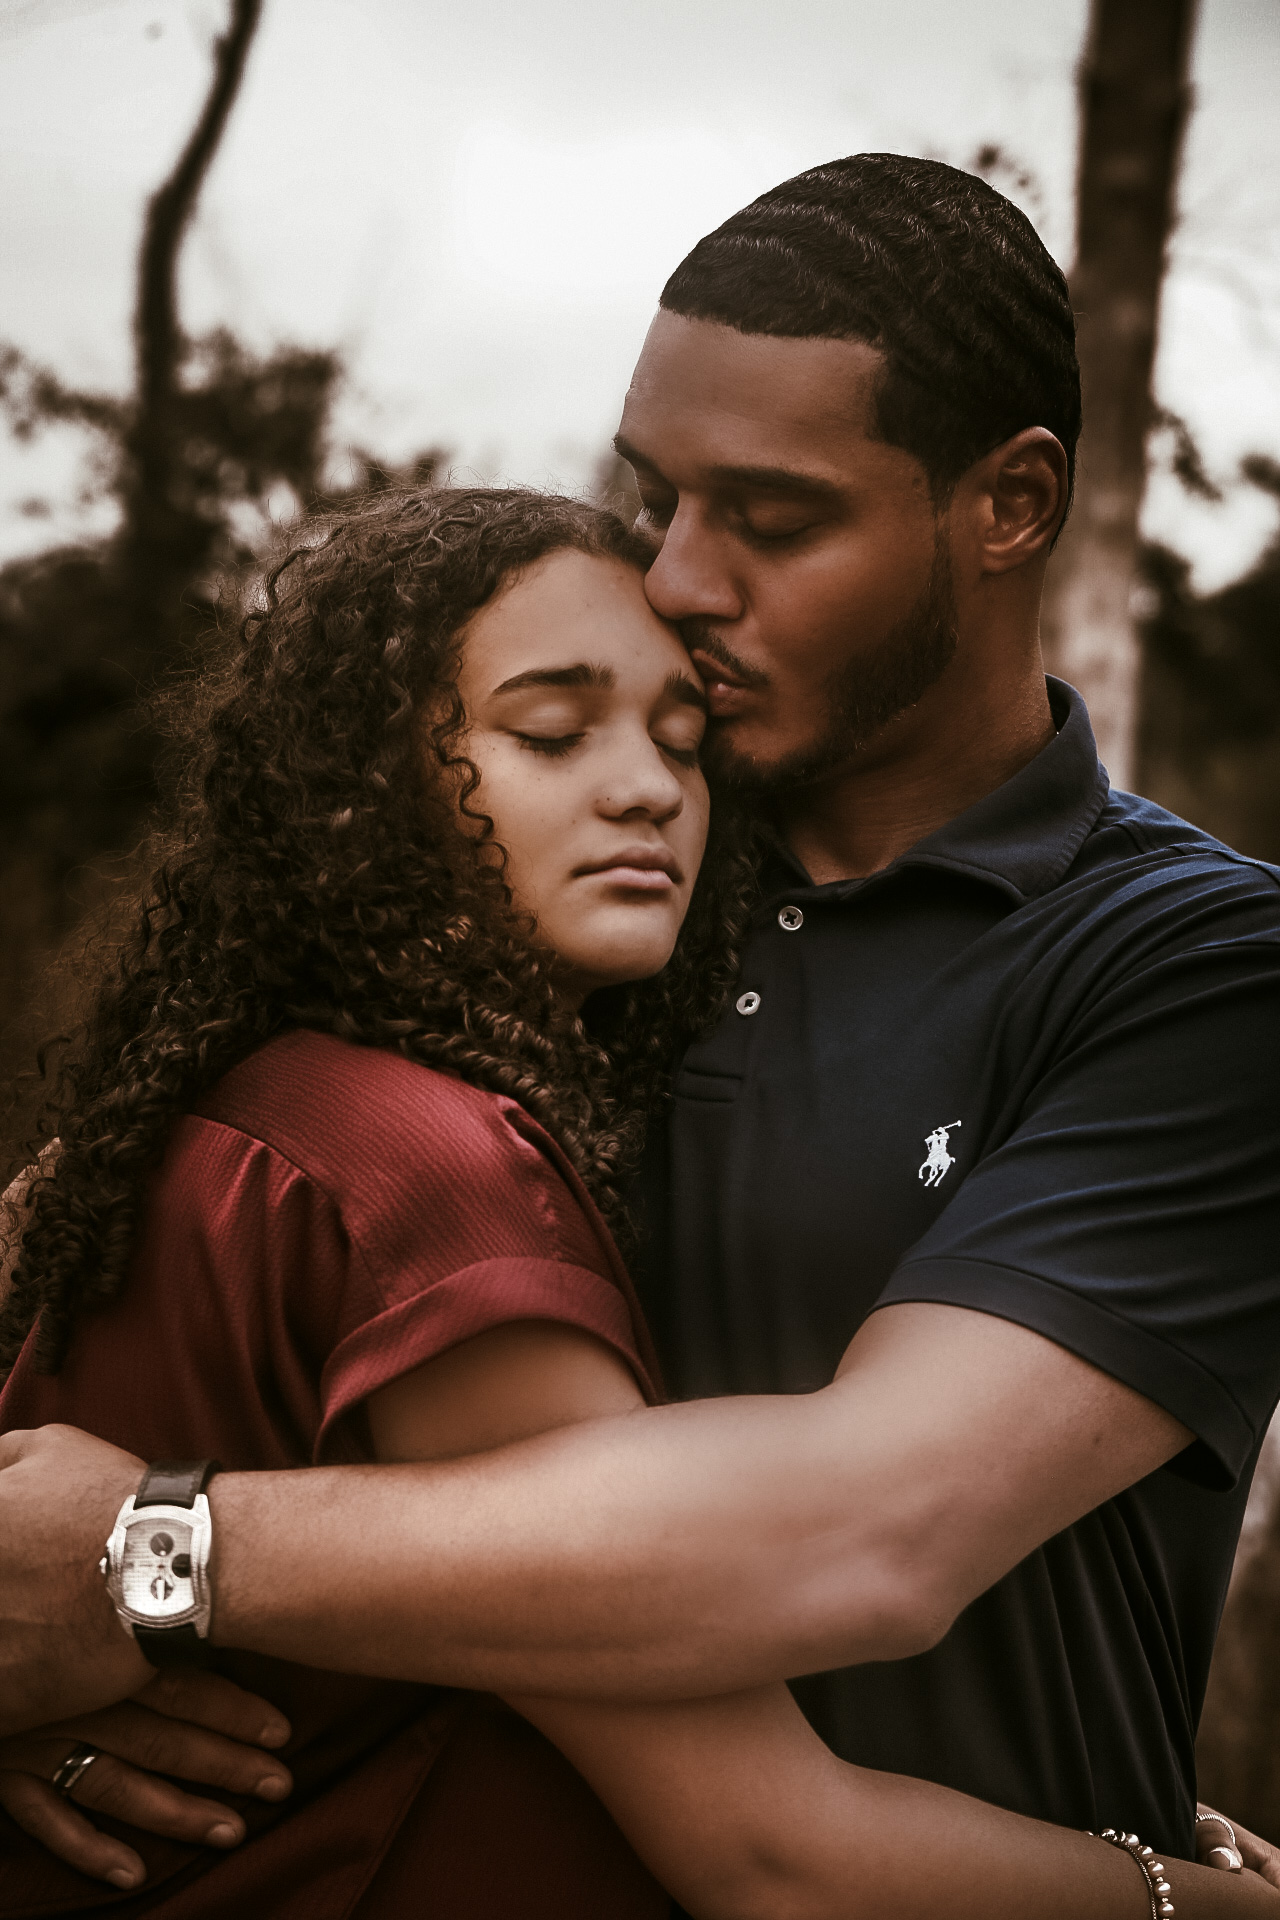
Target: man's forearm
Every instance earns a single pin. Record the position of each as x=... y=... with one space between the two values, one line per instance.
x=663 y=1554
x=700 y=1548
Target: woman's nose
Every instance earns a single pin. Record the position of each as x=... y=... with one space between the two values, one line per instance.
x=641 y=781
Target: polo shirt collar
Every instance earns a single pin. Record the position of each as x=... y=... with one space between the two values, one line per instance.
x=1024 y=836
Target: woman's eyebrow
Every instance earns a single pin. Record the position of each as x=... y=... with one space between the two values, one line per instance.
x=584 y=674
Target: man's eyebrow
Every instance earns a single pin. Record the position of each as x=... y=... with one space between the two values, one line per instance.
x=632 y=455
x=807 y=486
x=689 y=693
x=583 y=674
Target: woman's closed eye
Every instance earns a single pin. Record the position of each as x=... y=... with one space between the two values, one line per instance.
x=552 y=746
x=556 y=746
x=683 y=750
x=677 y=728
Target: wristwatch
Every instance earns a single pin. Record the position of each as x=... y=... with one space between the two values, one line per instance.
x=156 y=1565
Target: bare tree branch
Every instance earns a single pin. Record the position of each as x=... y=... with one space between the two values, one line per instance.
x=157 y=333
x=158 y=338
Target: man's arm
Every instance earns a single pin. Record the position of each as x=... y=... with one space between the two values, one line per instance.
x=663 y=1554
x=668 y=1553
x=695 y=1548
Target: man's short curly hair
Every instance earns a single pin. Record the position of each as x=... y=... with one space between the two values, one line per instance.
x=932 y=266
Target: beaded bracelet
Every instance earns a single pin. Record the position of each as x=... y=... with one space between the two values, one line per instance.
x=1158 y=1887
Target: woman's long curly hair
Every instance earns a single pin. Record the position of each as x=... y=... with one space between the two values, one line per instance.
x=319 y=874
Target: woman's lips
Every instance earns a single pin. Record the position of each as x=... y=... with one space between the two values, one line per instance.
x=641 y=869
x=637 y=879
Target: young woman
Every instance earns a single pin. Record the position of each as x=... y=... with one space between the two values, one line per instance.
x=338 y=1158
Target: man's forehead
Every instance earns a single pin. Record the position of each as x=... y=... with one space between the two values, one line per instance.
x=748 y=400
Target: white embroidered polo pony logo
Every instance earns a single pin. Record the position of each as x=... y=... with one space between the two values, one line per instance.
x=939 y=1162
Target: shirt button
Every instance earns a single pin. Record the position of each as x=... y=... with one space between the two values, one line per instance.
x=748 y=1003
x=790 y=919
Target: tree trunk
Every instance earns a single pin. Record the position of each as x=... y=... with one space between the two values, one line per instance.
x=1134 y=97
x=1237 y=1759
x=111 y=624
x=165 y=537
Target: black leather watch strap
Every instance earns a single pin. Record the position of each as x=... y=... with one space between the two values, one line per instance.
x=173 y=1483
x=172 y=1646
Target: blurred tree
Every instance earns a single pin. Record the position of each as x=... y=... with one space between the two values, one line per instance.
x=1237 y=1758
x=1209 y=737
x=196 y=458
x=1210 y=748
x=169 y=529
x=1134 y=97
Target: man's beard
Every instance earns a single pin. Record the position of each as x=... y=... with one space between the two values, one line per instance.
x=858 y=700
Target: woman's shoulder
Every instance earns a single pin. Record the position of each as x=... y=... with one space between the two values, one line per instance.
x=460 y=1211
x=313 y=1096
x=382 y=1135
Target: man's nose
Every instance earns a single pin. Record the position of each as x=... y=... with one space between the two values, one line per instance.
x=689 y=579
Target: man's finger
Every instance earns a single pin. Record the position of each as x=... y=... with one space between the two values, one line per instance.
x=207 y=1700
x=1259 y=1855
x=1214 y=1846
x=42 y=1812
x=157 y=1744
x=113 y=1787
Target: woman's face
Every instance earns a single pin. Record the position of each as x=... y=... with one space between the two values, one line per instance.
x=585 y=719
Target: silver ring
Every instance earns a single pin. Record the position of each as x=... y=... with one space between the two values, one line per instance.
x=1205 y=1819
x=74 y=1768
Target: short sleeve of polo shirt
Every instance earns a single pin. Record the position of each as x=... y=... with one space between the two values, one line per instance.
x=417 y=1211
x=1131 y=1210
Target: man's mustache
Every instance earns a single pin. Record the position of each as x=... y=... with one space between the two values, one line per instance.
x=697 y=633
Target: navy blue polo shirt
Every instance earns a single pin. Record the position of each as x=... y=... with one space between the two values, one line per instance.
x=1029 y=1068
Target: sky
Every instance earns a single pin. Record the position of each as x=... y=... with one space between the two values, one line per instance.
x=479 y=203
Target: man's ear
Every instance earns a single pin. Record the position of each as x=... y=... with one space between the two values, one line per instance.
x=1018 y=493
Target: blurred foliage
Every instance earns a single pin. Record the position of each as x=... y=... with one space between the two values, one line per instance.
x=76 y=752
x=85 y=639
x=76 y=757
x=1210 y=731
x=213 y=446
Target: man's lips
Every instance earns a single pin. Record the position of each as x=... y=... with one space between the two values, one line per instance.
x=727 y=691
x=643 y=869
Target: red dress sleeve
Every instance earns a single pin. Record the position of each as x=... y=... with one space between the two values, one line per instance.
x=454 y=1211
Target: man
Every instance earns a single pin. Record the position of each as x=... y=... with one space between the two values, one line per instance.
x=986 y=1132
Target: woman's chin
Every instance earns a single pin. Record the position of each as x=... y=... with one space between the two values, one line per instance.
x=624 y=942
x=588 y=973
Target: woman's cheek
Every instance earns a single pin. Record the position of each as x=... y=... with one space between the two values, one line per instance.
x=696 y=821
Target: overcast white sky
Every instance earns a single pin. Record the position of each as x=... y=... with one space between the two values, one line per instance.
x=479 y=202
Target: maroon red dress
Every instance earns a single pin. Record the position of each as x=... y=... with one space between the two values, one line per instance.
x=329 y=1218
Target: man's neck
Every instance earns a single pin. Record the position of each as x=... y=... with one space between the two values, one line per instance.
x=958 y=745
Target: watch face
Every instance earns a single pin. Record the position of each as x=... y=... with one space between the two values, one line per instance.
x=155 y=1569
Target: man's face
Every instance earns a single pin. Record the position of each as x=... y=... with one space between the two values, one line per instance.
x=802 y=557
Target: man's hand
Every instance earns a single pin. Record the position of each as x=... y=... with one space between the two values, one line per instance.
x=1213 y=1846
x=194 y=1725
x=62 y=1649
